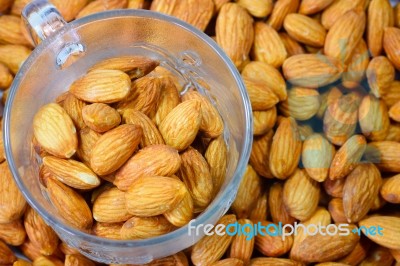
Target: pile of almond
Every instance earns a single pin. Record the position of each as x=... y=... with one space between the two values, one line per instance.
x=323 y=80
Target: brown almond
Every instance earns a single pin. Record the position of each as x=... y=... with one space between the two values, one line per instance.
x=276 y=205
x=13 y=233
x=357 y=66
x=259 y=157
x=292 y=46
x=327 y=98
x=216 y=156
x=385 y=155
x=305 y=30
x=87 y=139
x=100 y=5
x=69 y=204
x=73 y=106
x=100 y=117
x=264 y=121
x=285 y=149
x=272 y=245
x=309 y=7
x=169 y=99
x=347 y=157
x=5 y=77
x=390 y=190
x=154 y=195
x=259 y=211
x=11 y=31
x=77 y=259
x=55 y=131
x=378 y=256
x=312 y=70
x=337 y=9
x=102 y=86
x=5 y=4
x=69 y=9
x=180 y=126
x=392 y=94
x=110 y=206
x=301 y=104
x=258 y=8
x=394 y=112
x=114 y=148
x=334 y=188
x=358 y=254
x=228 y=262
x=182 y=213
x=261 y=97
x=268 y=46
x=273 y=262
x=6 y=254
x=145 y=227
x=280 y=11
x=13 y=56
x=360 y=190
x=391 y=44
x=136 y=4
x=107 y=230
x=380 y=75
x=336 y=210
x=390 y=231
x=152 y=160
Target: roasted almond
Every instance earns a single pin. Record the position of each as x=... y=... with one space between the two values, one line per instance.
x=5 y=77
x=336 y=210
x=6 y=254
x=390 y=190
x=308 y=7
x=145 y=227
x=264 y=121
x=216 y=156
x=305 y=30
x=292 y=46
x=77 y=259
x=261 y=96
x=280 y=11
x=182 y=213
x=169 y=99
x=337 y=9
x=385 y=155
x=258 y=8
x=11 y=31
x=13 y=56
x=107 y=230
x=101 y=5
x=110 y=206
x=357 y=66
x=69 y=9
x=87 y=139
x=259 y=211
x=100 y=117
x=272 y=245
x=228 y=262
x=358 y=254
x=301 y=104
x=276 y=205
x=380 y=75
x=13 y=233
x=390 y=231
x=259 y=157
x=391 y=44
x=73 y=106
x=273 y=262
x=394 y=112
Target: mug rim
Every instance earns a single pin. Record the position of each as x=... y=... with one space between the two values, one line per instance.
x=229 y=192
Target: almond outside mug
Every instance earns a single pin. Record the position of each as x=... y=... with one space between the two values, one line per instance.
x=64 y=52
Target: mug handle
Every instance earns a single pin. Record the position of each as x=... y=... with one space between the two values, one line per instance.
x=42 y=19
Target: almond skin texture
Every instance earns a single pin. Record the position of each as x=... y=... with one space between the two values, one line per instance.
x=280 y=11
x=40 y=233
x=102 y=86
x=268 y=75
x=337 y=9
x=344 y=36
x=216 y=156
x=145 y=227
x=6 y=254
x=69 y=204
x=391 y=44
x=211 y=248
x=258 y=8
x=259 y=157
x=12 y=56
x=13 y=233
x=380 y=75
x=195 y=173
x=285 y=149
x=336 y=211
x=152 y=160
x=154 y=195
x=390 y=190
x=110 y=207
x=292 y=46
x=11 y=209
x=69 y=9
x=5 y=77
x=87 y=140
x=182 y=213
x=211 y=122
x=298 y=185
x=357 y=66
x=134 y=65
x=373 y=118
x=73 y=106
x=358 y=254
x=11 y=31
x=264 y=121
x=242 y=247
x=107 y=230
x=385 y=155
x=72 y=173
x=392 y=94
x=235 y=33
x=276 y=206
x=317 y=156
x=272 y=245
x=380 y=16
x=347 y=157
x=390 y=232
x=273 y=262
x=302 y=103
x=55 y=131
x=394 y=112
x=268 y=47
x=261 y=97
x=169 y=99
x=312 y=70
x=101 y=5
x=305 y=30
x=100 y=117
x=308 y=7
x=360 y=190
x=181 y=125
x=378 y=255
x=77 y=259
x=228 y=262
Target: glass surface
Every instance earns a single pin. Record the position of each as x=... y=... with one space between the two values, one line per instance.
x=106 y=35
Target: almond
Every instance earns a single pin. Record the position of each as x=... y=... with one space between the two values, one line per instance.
x=6 y=254
x=87 y=140
x=347 y=157
x=268 y=75
x=378 y=256
x=358 y=254
x=236 y=39
x=136 y=4
x=391 y=44
x=301 y=104
x=13 y=56
x=77 y=259
x=285 y=149
x=228 y=262
x=337 y=9
x=73 y=106
x=360 y=190
x=180 y=126
x=317 y=156
x=55 y=131
x=295 y=187
x=107 y=230
x=264 y=121
x=5 y=77
x=114 y=148
x=394 y=112
x=334 y=188
x=336 y=210
x=340 y=119
x=380 y=75
x=258 y=8
x=394 y=132
x=11 y=209
x=344 y=35
x=280 y=11
x=242 y=246
x=13 y=233
x=69 y=204
x=211 y=123
x=72 y=173
x=357 y=66
x=11 y=31
x=390 y=190
x=110 y=207
x=101 y=5
x=272 y=244
x=380 y=16
x=21 y=262
x=273 y=262
x=276 y=206
x=102 y=86
x=169 y=99
x=2 y=151
x=144 y=96
x=182 y=213
x=261 y=96
x=100 y=117
x=154 y=195
x=47 y=261
x=152 y=160
x=145 y=227
x=200 y=15
x=135 y=66
x=309 y=7
x=390 y=232
x=259 y=157
x=305 y=30
x=69 y=9
x=211 y=248
x=311 y=70
x=385 y=155
x=5 y=4
x=29 y=250
x=373 y=118
x=392 y=94
x=248 y=192
x=268 y=47
x=292 y=46
x=259 y=211
x=39 y=233
x=216 y=156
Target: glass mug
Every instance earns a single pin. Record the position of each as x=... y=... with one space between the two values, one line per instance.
x=65 y=52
